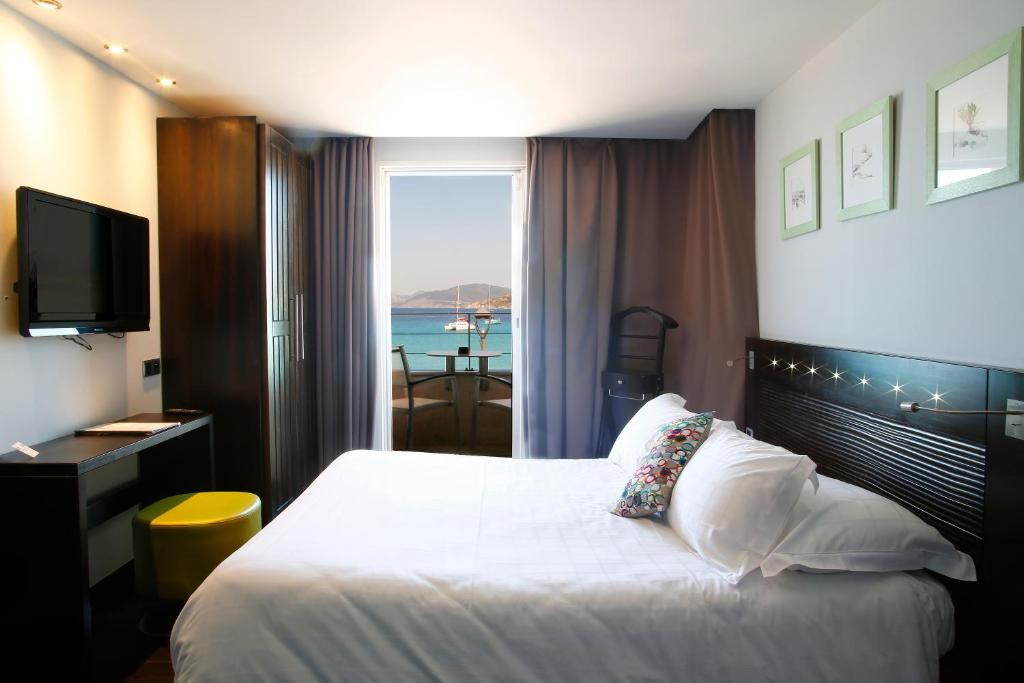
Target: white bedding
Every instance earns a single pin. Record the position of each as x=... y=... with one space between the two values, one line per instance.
x=420 y=567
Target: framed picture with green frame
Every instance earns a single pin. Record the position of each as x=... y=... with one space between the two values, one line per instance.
x=864 y=161
x=974 y=122
x=800 y=174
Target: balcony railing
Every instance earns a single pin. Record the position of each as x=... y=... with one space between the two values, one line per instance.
x=422 y=330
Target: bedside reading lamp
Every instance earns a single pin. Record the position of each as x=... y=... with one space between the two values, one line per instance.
x=914 y=406
x=1014 y=429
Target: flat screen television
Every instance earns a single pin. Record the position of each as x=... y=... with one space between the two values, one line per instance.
x=82 y=268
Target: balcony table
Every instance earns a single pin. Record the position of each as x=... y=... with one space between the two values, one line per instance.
x=450 y=356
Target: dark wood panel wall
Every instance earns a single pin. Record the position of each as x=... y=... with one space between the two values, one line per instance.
x=209 y=276
x=233 y=201
x=1004 y=531
x=282 y=315
x=307 y=452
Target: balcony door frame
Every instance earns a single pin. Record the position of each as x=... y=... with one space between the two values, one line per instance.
x=383 y=437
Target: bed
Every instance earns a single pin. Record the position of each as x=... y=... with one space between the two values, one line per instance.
x=426 y=567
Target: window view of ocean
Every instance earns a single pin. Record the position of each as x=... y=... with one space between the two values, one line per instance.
x=451 y=256
x=423 y=329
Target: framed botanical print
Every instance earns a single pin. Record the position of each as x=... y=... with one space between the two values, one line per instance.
x=801 y=201
x=974 y=123
x=864 y=159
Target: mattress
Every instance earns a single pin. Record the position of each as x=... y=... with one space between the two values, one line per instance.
x=427 y=567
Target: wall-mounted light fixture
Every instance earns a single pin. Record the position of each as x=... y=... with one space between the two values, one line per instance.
x=914 y=407
x=48 y=4
x=115 y=48
x=166 y=82
x=749 y=358
x=1014 y=425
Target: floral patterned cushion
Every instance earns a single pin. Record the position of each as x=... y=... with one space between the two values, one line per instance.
x=649 y=489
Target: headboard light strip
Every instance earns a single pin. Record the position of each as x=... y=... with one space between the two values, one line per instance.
x=842 y=409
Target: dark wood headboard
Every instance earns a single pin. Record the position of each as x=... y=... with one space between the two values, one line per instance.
x=959 y=473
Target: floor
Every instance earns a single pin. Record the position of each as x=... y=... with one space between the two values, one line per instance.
x=156 y=669
x=122 y=651
x=434 y=429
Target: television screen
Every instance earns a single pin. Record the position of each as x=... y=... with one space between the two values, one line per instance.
x=82 y=268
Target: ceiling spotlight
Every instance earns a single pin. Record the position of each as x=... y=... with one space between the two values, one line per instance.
x=48 y=4
x=166 y=82
x=115 y=49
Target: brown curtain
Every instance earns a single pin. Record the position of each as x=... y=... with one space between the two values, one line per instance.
x=569 y=280
x=616 y=223
x=343 y=302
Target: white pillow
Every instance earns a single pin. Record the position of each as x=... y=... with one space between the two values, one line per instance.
x=631 y=444
x=734 y=499
x=846 y=528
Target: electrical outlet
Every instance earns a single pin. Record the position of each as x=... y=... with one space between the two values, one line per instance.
x=1015 y=423
x=151 y=367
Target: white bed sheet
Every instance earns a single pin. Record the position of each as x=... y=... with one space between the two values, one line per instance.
x=423 y=567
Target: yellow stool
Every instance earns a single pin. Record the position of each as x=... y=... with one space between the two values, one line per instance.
x=180 y=540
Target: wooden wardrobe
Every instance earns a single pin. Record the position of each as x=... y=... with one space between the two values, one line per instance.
x=235 y=207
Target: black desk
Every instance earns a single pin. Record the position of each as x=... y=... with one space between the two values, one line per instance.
x=45 y=608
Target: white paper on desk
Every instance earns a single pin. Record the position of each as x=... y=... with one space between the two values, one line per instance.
x=27 y=450
x=132 y=427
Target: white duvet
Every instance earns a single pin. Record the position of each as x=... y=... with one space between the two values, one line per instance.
x=421 y=567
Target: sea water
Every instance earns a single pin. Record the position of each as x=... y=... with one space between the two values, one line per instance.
x=422 y=330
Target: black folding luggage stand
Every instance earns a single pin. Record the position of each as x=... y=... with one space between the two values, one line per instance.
x=633 y=374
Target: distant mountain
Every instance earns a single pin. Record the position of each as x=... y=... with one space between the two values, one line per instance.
x=473 y=296
x=503 y=301
x=397 y=299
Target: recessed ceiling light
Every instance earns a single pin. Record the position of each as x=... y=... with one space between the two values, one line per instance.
x=115 y=49
x=166 y=82
x=48 y=4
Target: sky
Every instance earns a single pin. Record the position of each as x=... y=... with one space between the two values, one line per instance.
x=449 y=230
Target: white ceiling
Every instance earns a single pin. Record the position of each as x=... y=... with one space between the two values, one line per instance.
x=389 y=68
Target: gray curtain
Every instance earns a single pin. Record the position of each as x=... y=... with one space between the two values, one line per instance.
x=616 y=223
x=343 y=296
x=570 y=243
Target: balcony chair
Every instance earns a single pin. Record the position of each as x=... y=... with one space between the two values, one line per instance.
x=401 y=380
x=502 y=404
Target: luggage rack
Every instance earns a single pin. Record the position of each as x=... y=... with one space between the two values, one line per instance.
x=634 y=370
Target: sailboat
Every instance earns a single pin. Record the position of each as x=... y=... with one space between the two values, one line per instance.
x=461 y=322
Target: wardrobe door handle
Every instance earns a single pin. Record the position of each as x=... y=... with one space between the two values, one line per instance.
x=293 y=306
x=302 y=326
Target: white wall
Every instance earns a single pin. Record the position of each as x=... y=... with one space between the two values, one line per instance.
x=449 y=150
x=70 y=125
x=941 y=281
